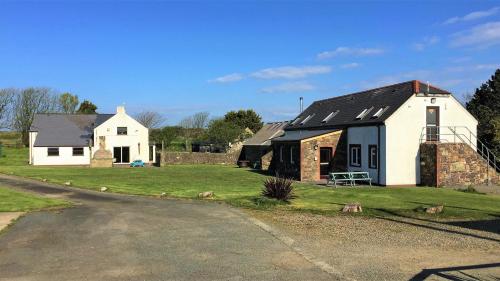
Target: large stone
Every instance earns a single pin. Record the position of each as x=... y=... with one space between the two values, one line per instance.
x=68 y=183
x=206 y=194
x=102 y=158
x=435 y=209
x=352 y=208
x=104 y=189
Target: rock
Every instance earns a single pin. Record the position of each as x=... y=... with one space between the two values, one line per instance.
x=68 y=183
x=44 y=180
x=352 y=208
x=206 y=194
x=104 y=189
x=434 y=210
x=163 y=194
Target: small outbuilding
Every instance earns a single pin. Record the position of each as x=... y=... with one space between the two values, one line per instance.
x=257 y=150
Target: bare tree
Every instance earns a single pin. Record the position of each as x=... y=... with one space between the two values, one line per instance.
x=150 y=119
x=6 y=96
x=26 y=104
x=196 y=121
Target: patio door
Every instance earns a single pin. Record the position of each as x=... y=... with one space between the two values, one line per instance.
x=325 y=156
x=121 y=154
x=432 y=123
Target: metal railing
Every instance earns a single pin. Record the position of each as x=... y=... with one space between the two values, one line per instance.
x=460 y=134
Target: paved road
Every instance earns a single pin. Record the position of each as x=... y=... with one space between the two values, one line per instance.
x=118 y=237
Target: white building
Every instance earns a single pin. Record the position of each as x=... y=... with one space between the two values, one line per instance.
x=72 y=139
x=378 y=131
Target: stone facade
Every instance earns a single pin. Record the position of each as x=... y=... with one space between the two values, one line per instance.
x=102 y=158
x=310 y=158
x=172 y=158
x=454 y=164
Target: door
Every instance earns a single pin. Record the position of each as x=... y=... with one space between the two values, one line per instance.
x=432 y=123
x=125 y=154
x=117 y=154
x=121 y=154
x=325 y=156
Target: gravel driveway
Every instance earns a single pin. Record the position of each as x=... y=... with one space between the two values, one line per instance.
x=118 y=237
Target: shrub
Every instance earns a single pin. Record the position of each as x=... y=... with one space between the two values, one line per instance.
x=278 y=188
x=470 y=189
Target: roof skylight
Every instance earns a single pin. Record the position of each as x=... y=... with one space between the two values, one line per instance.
x=380 y=112
x=306 y=119
x=330 y=116
x=364 y=113
x=295 y=121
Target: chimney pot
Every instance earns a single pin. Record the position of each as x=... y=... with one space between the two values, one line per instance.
x=120 y=109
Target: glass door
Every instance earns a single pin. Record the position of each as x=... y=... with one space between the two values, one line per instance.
x=432 y=123
x=325 y=156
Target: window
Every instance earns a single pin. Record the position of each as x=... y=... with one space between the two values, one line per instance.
x=52 y=151
x=121 y=154
x=355 y=155
x=372 y=156
x=295 y=121
x=121 y=131
x=151 y=153
x=380 y=112
x=281 y=153
x=330 y=116
x=292 y=148
x=306 y=119
x=77 y=151
x=364 y=113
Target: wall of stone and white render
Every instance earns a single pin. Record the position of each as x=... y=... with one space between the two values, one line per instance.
x=403 y=130
x=366 y=136
x=137 y=137
x=454 y=164
x=39 y=156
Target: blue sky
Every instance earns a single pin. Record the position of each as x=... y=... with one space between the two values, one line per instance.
x=179 y=58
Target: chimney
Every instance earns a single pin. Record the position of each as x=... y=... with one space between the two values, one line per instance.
x=301 y=104
x=416 y=86
x=120 y=109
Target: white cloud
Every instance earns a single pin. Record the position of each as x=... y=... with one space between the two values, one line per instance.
x=227 y=78
x=426 y=42
x=290 y=87
x=291 y=72
x=347 y=51
x=350 y=65
x=480 y=36
x=473 y=16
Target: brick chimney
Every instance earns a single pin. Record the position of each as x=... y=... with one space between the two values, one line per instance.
x=416 y=86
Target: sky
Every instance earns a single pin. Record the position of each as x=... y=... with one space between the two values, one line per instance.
x=179 y=58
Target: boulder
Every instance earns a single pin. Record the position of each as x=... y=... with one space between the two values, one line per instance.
x=352 y=208
x=206 y=194
x=44 y=180
x=163 y=194
x=68 y=183
x=104 y=189
x=434 y=210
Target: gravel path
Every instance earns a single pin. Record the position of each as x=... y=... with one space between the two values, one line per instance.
x=393 y=248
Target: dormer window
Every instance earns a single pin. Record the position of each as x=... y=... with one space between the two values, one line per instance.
x=380 y=112
x=121 y=131
x=330 y=116
x=306 y=119
x=364 y=113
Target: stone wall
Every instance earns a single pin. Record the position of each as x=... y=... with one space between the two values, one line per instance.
x=172 y=158
x=454 y=164
x=310 y=158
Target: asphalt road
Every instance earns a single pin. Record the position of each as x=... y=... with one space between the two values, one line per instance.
x=119 y=237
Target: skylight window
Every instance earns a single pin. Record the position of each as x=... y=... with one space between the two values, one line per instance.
x=364 y=113
x=306 y=119
x=295 y=121
x=330 y=116
x=380 y=112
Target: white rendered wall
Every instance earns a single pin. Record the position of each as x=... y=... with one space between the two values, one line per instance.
x=40 y=157
x=137 y=136
x=404 y=132
x=366 y=136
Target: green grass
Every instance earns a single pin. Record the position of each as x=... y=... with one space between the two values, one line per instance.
x=242 y=187
x=14 y=201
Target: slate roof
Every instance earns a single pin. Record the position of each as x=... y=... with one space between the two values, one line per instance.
x=345 y=109
x=269 y=131
x=70 y=130
x=297 y=135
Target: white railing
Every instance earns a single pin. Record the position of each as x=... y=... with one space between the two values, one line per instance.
x=460 y=134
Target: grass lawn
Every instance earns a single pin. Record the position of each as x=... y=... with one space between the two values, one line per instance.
x=241 y=187
x=14 y=201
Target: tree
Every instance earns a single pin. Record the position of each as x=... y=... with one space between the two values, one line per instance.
x=68 y=103
x=196 y=121
x=165 y=135
x=87 y=107
x=222 y=132
x=6 y=97
x=245 y=119
x=485 y=106
x=26 y=104
x=150 y=119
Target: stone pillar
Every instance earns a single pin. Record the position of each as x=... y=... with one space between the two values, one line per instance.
x=102 y=157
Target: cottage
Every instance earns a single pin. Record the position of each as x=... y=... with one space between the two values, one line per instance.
x=257 y=150
x=82 y=139
x=379 y=131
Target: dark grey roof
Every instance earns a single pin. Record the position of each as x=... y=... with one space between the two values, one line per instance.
x=65 y=129
x=297 y=135
x=346 y=108
x=269 y=131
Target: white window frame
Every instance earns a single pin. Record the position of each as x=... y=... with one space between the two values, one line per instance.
x=355 y=150
x=372 y=152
